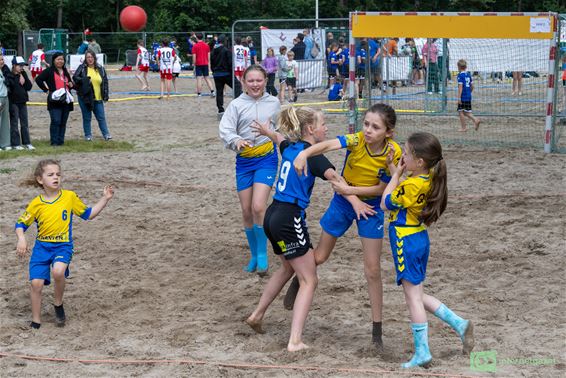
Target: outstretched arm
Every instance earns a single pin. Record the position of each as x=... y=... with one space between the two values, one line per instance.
x=300 y=162
x=365 y=191
x=101 y=204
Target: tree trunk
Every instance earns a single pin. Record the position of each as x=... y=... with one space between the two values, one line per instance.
x=60 y=15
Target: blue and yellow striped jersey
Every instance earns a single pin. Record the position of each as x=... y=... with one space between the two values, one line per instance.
x=54 y=219
x=407 y=201
x=361 y=166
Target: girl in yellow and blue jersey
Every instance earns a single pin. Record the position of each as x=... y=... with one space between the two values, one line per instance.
x=53 y=213
x=366 y=175
x=415 y=203
x=256 y=159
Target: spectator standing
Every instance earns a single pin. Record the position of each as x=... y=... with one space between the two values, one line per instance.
x=300 y=47
x=4 y=106
x=19 y=85
x=253 y=51
x=430 y=62
x=221 y=64
x=94 y=46
x=201 y=57
x=282 y=73
x=91 y=84
x=309 y=44
x=56 y=78
x=270 y=64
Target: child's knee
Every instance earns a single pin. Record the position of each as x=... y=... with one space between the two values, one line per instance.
x=59 y=273
x=309 y=281
x=37 y=285
x=373 y=273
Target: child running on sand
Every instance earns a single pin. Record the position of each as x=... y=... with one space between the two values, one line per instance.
x=416 y=203
x=285 y=223
x=53 y=213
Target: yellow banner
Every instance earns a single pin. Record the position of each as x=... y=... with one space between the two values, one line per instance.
x=504 y=27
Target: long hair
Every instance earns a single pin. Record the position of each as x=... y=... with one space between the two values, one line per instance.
x=427 y=147
x=38 y=172
x=93 y=54
x=292 y=121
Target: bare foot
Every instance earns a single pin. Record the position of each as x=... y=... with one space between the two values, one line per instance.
x=477 y=125
x=463 y=130
x=255 y=325
x=296 y=347
x=468 y=341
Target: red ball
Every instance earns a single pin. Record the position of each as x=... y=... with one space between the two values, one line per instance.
x=133 y=18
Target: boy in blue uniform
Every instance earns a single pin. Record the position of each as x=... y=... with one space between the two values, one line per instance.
x=465 y=88
x=53 y=213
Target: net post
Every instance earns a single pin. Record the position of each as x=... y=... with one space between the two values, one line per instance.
x=550 y=93
x=351 y=85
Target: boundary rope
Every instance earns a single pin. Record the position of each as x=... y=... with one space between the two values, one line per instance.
x=235 y=365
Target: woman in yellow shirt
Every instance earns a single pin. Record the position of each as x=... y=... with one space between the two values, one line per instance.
x=92 y=90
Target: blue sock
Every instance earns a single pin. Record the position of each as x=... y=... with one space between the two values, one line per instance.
x=252 y=242
x=457 y=323
x=422 y=354
x=261 y=250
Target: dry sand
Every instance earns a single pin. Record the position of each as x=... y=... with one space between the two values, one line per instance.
x=159 y=275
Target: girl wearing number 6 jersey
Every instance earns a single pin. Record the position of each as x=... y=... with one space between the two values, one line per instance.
x=53 y=213
x=285 y=223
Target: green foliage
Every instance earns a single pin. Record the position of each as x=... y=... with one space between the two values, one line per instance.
x=218 y=15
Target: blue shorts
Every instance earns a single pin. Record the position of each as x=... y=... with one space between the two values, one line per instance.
x=261 y=170
x=46 y=254
x=340 y=215
x=410 y=254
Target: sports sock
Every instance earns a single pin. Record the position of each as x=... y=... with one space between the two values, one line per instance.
x=376 y=336
x=261 y=240
x=457 y=323
x=422 y=354
x=250 y=235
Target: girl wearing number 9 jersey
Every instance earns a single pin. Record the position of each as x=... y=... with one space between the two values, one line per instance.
x=285 y=224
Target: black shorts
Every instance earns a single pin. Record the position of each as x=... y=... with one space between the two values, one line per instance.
x=360 y=73
x=201 y=71
x=465 y=106
x=331 y=73
x=291 y=82
x=286 y=228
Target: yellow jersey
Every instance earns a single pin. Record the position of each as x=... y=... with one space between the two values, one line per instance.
x=407 y=201
x=361 y=166
x=55 y=218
